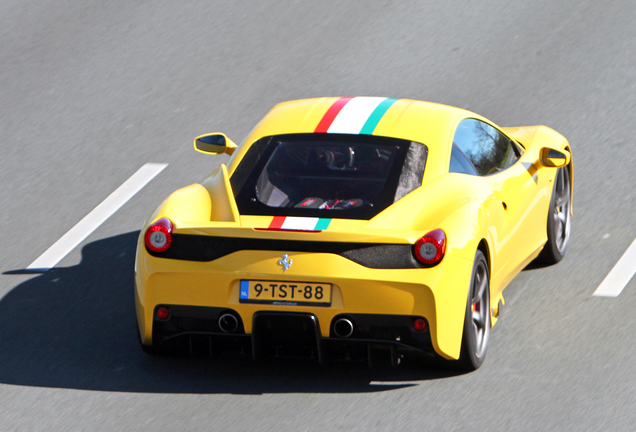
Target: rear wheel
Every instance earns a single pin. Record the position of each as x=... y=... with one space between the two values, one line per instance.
x=559 y=219
x=477 y=321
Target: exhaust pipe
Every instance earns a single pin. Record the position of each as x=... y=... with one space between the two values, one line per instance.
x=343 y=328
x=228 y=323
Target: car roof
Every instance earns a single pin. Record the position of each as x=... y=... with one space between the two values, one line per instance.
x=428 y=123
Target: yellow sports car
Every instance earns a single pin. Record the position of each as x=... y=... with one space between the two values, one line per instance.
x=352 y=228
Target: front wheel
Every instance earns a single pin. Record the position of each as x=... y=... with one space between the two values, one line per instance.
x=559 y=219
x=477 y=321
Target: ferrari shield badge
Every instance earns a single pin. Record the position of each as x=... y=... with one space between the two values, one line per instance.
x=285 y=261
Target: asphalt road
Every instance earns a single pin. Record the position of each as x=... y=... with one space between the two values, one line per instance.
x=93 y=90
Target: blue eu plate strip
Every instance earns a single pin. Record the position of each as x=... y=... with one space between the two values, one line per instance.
x=245 y=285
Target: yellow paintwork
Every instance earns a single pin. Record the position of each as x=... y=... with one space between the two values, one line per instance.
x=510 y=223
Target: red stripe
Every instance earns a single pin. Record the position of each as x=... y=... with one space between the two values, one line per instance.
x=277 y=222
x=331 y=114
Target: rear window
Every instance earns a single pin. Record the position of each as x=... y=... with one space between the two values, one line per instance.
x=326 y=175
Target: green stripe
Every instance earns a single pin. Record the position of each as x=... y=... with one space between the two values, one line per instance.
x=322 y=224
x=376 y=115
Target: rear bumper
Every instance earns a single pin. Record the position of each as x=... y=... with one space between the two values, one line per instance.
x=436 y=294
x=197 y=331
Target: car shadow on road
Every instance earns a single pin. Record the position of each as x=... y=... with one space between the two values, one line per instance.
x=75 y=328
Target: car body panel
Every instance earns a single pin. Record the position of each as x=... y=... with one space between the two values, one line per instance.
x=423 y=122
x=534 y=137
x=356 y=289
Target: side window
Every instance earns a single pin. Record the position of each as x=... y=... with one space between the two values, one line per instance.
x=460 y=162
x=488 y=150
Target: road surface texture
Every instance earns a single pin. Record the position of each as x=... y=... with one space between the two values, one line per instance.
x=94 y=90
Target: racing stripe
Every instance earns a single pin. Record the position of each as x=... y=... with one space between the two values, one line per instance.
x=354 y=115
x=331 y=114
x=277 y=222
x=376 y=115
x=299 y=223
x=322 y=224
x=358 y=115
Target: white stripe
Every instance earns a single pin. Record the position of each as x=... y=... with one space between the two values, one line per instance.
x=299 y=223
x=354 y=115
x=620 y=275
x=94 y=219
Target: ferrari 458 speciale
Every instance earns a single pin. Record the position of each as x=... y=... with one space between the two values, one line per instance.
x=352 y=228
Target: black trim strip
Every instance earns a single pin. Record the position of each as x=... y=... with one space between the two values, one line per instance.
x=190 y=247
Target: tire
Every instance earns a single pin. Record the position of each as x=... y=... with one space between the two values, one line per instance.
x=477 y=320
x=559 y=219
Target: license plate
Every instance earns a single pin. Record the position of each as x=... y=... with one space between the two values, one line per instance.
x=285 y=293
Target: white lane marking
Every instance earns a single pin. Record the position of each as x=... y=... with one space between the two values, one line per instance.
x=620 y=275
x=95 y=218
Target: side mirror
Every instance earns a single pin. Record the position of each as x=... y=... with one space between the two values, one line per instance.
x=554 y=158
x=214 y=143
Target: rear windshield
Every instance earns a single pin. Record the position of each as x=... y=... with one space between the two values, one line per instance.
x=326 y=175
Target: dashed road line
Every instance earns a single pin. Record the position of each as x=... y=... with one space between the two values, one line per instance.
x=620 y=275
x=95 y=218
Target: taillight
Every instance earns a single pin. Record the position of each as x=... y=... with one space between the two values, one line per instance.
x=430 y=249
x=159 y=235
